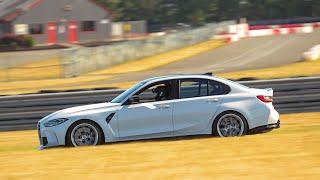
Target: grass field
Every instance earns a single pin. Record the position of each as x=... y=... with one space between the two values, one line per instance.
x=47 y=74
x=293 y=151
x=88 y=81
x=45 y=69
x=162 y=59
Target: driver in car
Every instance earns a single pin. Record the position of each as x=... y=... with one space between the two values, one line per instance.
x=162 y=92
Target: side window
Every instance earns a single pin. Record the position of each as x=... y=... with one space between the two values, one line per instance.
x=217 y=88
x=193 y=88
x=155 y=92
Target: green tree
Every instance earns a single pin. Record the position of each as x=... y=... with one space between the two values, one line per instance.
x=159 y=12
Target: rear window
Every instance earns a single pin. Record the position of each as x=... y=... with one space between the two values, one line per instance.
x=217 y=88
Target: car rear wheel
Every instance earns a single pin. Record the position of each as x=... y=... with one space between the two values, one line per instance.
x=84 y=133
x=229 y=125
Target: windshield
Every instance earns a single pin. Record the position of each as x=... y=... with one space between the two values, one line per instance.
x=126 y=93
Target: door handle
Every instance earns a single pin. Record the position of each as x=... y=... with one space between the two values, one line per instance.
x=164 y=106
x=212 y=100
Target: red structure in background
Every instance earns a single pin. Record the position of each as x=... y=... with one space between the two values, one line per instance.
x=73 y=32
x=52 y=33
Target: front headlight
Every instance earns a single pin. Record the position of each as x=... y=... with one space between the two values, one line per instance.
x=55 y=122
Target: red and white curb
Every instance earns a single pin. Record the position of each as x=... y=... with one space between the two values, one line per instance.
x=238 y=31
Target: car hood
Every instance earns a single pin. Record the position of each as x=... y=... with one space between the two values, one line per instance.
x=73 y=110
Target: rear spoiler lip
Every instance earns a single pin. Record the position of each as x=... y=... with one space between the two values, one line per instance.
x=263 y=92
x=270 y=90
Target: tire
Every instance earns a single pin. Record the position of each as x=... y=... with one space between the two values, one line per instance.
x=230 y=124
x=84 y=133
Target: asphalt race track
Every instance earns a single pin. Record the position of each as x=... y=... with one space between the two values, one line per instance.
x=295 y=95
x=24 y=111
x=248 y=53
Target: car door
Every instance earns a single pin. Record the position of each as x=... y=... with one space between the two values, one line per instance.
x=148 y=118
x=198 y=101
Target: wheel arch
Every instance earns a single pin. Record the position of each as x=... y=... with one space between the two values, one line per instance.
x=226 y=112
x=79 y=121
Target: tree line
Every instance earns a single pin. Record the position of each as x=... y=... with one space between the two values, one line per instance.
x=166 y=12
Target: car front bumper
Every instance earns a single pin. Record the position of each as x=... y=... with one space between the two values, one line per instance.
x=47 y=138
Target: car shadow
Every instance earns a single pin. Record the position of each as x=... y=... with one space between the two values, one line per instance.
x=165 y=139
x=182 y=138
x=177 y=138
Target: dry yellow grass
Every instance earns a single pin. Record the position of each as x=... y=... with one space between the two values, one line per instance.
x=163 y=58
x=32 y=86
x=293 y=151
x=45 y=69
x=46 y=75
x=308 y=68
x=3 y=75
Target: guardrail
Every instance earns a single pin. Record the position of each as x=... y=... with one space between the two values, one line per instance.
x=23 y=111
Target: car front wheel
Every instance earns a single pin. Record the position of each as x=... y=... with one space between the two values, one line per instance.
x=230 y=124
x=84 y=133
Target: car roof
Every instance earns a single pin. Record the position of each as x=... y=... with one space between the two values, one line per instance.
x=232 y=84
x=179 y=76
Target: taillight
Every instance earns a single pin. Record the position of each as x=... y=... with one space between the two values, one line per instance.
x=265 y=99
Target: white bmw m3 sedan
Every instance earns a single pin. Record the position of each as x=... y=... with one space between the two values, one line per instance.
x=168 y=106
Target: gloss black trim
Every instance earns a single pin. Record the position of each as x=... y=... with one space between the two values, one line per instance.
x=265 y=128
x=44 y=141
x=109 y=118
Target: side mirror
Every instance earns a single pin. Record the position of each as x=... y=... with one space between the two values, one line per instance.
x=134 y=99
